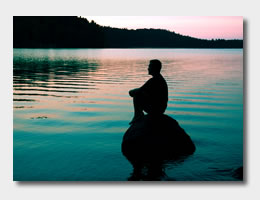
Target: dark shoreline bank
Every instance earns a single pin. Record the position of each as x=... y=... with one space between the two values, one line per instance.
x=75 y=32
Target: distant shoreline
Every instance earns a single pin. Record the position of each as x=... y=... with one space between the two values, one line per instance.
x=74 y=32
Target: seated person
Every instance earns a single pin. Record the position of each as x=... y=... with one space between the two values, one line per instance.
x=152 y=97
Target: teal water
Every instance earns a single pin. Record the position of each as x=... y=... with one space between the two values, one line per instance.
x=71 y=108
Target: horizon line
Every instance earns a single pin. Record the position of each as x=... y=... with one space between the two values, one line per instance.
x=165 y=29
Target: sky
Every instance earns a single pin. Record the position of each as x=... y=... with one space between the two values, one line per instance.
x=204 y=27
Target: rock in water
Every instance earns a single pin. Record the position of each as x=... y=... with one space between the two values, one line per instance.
x=155 y=138
x=238 y=173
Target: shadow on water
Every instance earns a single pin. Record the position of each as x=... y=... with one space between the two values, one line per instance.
x=154 y=170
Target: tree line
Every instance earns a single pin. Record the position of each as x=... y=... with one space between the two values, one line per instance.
x=77 y=32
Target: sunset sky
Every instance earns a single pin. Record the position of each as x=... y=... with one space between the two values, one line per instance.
x=212 y=27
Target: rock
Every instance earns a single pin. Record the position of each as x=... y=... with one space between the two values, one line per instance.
x=156 y=138
x=238 y=173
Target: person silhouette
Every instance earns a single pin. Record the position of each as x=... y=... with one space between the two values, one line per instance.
x=152 y=97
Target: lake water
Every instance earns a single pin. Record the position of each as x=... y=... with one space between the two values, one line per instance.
x=71 y=109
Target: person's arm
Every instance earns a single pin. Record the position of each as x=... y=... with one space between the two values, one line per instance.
x=144 y=89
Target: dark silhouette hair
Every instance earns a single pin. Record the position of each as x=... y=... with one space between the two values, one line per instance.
x=156 y=65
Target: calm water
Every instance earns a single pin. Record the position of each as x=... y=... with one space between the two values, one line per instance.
x=71 y=109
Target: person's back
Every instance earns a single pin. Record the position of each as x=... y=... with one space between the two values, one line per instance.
x=156 y=93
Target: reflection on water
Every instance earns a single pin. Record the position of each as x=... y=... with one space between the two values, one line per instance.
x=71 y=109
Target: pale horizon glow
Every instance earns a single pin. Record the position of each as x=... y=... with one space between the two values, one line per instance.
x=204 y=27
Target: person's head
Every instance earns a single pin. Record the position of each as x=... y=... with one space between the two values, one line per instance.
x=154 y=67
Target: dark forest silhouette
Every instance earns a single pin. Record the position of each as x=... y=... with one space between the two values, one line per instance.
x=76 y=32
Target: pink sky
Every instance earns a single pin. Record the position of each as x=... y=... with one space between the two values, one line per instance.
x=213 y=27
